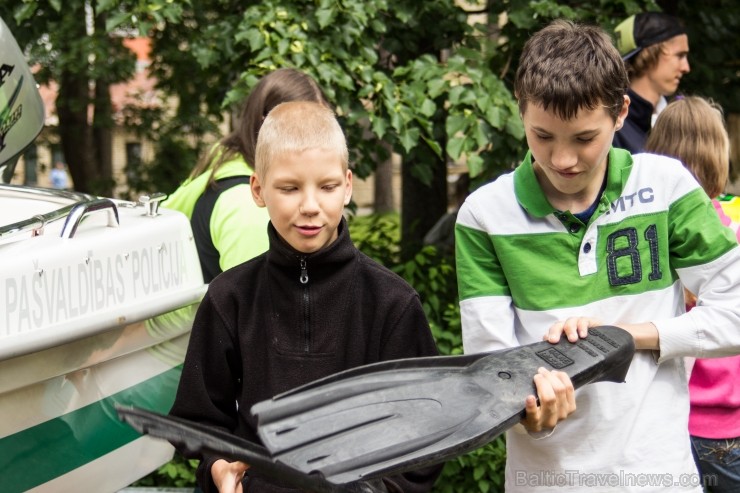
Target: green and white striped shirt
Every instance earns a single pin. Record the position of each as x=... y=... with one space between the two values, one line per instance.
x=522 y=266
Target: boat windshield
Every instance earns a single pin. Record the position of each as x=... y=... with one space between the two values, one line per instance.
x=21 y=107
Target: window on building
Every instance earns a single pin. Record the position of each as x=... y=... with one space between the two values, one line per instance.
x=133 y=154
x=132 y=169
x=56 y=154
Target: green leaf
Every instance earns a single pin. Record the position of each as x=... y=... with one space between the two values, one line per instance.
x=434 y=145
x=481 y=137
x=324 y=16
x=409 y=139
x=523 y=19
x=283 y=46
x=455 y=94
x=116 y=20
x=379 y=126
x=475 y=164
x=455 y=124
x=493 y=116
x=436 y=87
x=25 y=12
x=455 y=147
x=515 y=128
x=422 y=173
x=105 y=5
x=428 y=108
x=254 y=38
x=467 y=96
x=484 y=486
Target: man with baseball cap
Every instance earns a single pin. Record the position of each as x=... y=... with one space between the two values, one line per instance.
x=655 y=48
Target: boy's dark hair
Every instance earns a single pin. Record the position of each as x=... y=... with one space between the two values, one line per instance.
x=567 y=66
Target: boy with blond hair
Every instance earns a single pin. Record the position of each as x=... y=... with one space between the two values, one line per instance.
x=312 y=305
x=583 y=234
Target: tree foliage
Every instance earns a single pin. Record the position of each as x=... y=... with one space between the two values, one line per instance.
x=69 y=45
x=416 y=76
x=381 y=64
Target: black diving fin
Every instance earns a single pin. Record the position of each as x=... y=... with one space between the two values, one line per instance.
x=192 y=436
x=342 y=432
x=394 y=416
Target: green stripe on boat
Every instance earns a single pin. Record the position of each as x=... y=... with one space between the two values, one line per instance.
x=51 y=449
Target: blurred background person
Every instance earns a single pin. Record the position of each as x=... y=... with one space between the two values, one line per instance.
x=58 y=176
x=228 y=227
x=655 y=49
x=692 y=130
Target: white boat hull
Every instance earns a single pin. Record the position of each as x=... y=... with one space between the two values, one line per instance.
x=91 y=317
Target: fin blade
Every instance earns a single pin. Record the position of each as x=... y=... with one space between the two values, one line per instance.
x=377 y=420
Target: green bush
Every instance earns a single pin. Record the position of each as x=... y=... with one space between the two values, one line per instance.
x=378 y=236
x=178 y=473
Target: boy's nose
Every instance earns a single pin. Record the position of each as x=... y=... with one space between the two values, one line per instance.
x=685 y=68
x=309 y=205
x=562 y=158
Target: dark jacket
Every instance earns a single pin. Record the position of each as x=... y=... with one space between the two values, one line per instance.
x=637 y=125
x=260 y=331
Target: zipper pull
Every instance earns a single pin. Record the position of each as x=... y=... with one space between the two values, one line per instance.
x=304 y=271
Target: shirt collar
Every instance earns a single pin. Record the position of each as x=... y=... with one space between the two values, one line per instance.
x=532 y=198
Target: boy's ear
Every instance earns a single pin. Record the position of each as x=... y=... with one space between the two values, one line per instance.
x=256 y=187
x=623 y=112
x=348 y=187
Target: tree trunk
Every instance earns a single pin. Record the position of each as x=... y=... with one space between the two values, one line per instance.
x=383 y=194
x=103 y=124
x=103 y=135
x=74 y=131
x=422 y=205
x=73 y=101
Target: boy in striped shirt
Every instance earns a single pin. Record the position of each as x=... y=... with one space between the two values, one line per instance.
x=582 y=234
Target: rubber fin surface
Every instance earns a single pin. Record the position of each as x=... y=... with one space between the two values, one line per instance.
x=395 y=416
x=195 y=437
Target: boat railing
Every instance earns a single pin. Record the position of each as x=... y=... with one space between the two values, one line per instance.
x=75 y=207
x=82 y=209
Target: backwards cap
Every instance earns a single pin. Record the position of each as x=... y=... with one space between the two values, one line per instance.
x=645 y=29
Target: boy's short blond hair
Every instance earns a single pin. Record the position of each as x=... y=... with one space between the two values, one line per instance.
x=566 y=67
x=297 y=126
x=692 y=130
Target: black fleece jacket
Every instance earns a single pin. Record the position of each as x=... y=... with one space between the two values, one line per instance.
x=261 y=331
x=633 y=134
